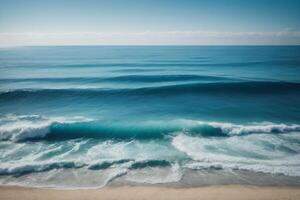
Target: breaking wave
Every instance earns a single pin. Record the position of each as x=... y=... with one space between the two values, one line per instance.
x=34 y=127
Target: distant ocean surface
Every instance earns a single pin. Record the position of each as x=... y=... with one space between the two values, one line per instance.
x=90 y=116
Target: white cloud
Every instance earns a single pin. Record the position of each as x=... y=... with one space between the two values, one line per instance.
x=150 y=38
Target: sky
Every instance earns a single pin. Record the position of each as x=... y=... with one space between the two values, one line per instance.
x=149 y=22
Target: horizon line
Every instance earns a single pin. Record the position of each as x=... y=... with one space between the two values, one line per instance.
x=145 y=45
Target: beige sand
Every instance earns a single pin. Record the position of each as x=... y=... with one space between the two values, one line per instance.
x=234 y=192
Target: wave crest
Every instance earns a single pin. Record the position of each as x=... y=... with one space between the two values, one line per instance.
x=22 y=127
x=34 y=127
x=264 y=127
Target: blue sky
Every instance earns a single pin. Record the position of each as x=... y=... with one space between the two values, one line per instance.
x=58 y=22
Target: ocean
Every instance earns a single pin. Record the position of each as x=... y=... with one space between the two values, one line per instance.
x=91 y=116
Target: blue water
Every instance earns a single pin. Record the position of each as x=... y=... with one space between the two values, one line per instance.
x=146 y=114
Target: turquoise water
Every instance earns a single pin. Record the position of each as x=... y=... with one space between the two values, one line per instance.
x=146 y=114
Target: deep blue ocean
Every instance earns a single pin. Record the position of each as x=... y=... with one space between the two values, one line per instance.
x=87 y=116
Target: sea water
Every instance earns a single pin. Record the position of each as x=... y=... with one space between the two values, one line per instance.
x=90 y=116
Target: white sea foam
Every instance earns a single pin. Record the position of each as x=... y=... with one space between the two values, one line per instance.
x=17 y=128
x=265 y=127
x=239 y=129
x=21 y=168
x=249 y=152
x=155 y=175
x=66 y=179
x=274 y=167
x=64 y=163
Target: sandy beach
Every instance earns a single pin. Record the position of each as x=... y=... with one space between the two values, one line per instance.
x=230 y=192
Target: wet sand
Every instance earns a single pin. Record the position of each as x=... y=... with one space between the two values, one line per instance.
x=229 y=192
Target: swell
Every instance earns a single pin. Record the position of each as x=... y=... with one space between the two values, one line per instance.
x=247 y=87
x=163 y=63
x=128 y=78
x=230 y=88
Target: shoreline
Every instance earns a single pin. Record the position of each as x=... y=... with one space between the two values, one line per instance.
x=224 y=192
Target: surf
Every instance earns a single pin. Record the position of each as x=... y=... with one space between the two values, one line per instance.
x=35 y=127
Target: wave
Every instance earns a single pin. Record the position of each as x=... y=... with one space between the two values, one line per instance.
x=264 y=153
x=133 y=164
x=247 y=87
x=19 y=170
x=279 y=169
x=195 y=63
x=228 y=88
x=146 y=64
x=34 y=167
x=22 y=127
x=107 y=164
x=34 y=127
x=150 y=163
x=127 y=78
x=172 y=174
